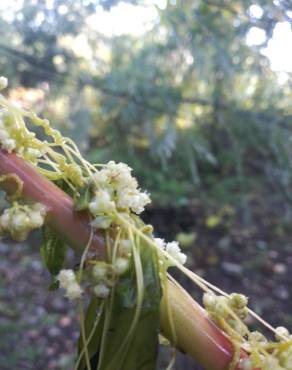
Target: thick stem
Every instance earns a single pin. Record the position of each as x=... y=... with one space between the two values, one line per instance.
x=71 y=225
x=195 y=333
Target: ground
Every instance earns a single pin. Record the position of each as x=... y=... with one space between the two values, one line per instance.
x=39 y=329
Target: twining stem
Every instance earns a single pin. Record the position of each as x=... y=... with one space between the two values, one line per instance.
x=195 y=333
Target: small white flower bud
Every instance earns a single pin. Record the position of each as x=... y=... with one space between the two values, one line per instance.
x=36 y=219
x=238 y=300
x=35 y=153
x=19 y=221
x=182 y=258
x=209 y=300
x=160 y=243
x=125 y=248
x=73 y=291
x=3 y=82
x=256 y=336
x=65 y=278
x=100 y=271
x=246 y=364
x=173 y=249
x=101 y=203
x=281 y=333
x=101 y=291
x=8 y=144
x=5 y=219
x=121 y=265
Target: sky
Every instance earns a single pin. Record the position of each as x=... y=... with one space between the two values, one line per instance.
x=128 y=19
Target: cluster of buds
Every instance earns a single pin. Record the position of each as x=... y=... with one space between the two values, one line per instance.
x=14 y=136
x=19 y=220
x=67 y=280
x=173 y=249
x=18 y=139
x=104 y=275
x=117 y=189
x=231 y=310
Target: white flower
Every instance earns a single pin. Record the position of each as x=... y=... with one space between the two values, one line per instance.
x=281 y=333
x=120 y=173
x=246 y=364
x=19 y=220
x=160 y=243
x=5 y=219
x=121 y=187
x=6 y=140
x=121 y=265
x=101 y=290
x=257 y=337
x=271 y=363
x=209 y=301
x=37 y=219
x=174 y=251
x=238 y=301
x=73 y=291
x=7 y=143
x=101 y=203
x=3 y=82
x=67 y=280
x=125 y=247
x=34 y=153
x=100 y=177
x=100 y=271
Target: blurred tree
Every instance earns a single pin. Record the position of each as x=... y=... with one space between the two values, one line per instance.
x=190 y=105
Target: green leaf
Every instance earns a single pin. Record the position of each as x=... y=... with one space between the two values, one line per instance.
x=141 y=352
x=144 y=347
x=53 y=251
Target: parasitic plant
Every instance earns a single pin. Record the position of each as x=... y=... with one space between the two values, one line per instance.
x=121 y=287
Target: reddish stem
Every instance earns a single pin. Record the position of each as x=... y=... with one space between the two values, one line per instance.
x=71 y=225
x=195 y=333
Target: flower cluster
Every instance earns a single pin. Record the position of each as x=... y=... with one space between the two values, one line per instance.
x=104 y=274
x=19 y=139
x=122 y=261
x=101 y=274
x=173 y=249
x=231 y=310
x=222 y=306
x=117 y=189
x=19 y=220
x=67 y=280
x=6 y=140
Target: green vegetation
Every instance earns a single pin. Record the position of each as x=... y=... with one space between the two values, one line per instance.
x=188 y=101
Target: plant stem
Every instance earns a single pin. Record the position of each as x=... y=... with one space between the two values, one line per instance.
x=195 y=333
x=71 y=225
